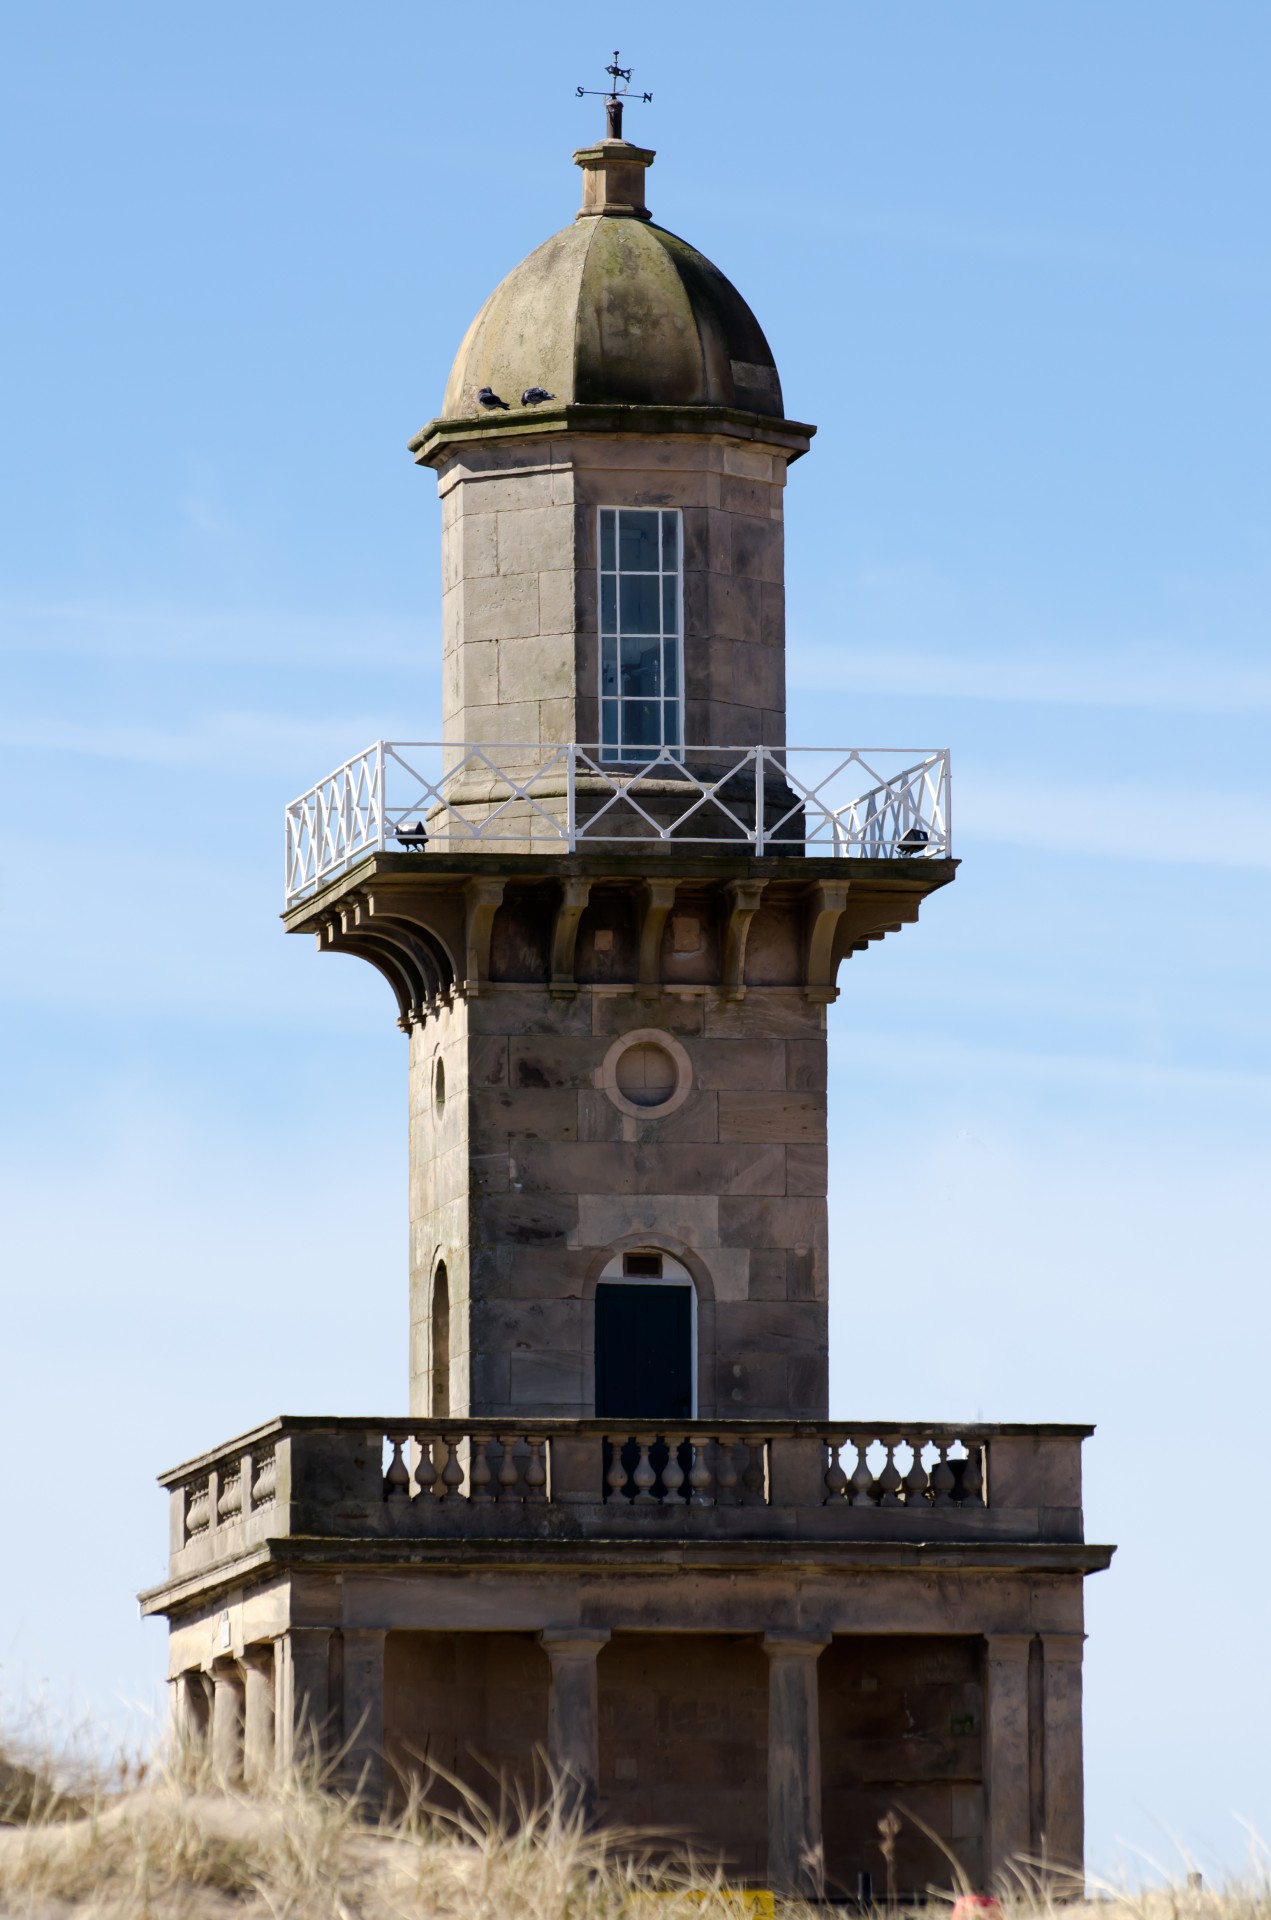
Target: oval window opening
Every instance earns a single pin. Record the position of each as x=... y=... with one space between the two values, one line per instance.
x=646 y=1075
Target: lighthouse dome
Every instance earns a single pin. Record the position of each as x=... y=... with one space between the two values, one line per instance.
x=615 y=311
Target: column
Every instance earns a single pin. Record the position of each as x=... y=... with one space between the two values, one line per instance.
x=573 y=1712
x=227 y=1722
x=363 y=1760
x=1063 y=1789
x=258 y=1715
x=191 y=1713
x=1006 y=1750
x=796 y=1862
x=303 y=1722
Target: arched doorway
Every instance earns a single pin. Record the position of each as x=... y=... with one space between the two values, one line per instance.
x=439 y=1345
x=646 y=1338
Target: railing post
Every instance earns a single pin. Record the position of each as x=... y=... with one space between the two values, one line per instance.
x=377 y=796
x=571 y=820
x=946 y=781
x=759 y=819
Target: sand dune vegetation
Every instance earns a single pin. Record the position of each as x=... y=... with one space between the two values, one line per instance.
x=162 y=1841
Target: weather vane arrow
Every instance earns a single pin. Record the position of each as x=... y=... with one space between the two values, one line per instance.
x=614 y=96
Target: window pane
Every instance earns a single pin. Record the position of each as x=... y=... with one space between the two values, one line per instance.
x=670 y=542
x=609 y=723
x=641 y=723
x=609 y=665
x=639 y=602
x=670 y=668
x=639 y=668
x=637 y=541
x=606 y=538
x=671 y=736
x=670 y=605
x=608 y=603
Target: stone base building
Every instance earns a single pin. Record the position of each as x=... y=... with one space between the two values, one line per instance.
x=617 y=1535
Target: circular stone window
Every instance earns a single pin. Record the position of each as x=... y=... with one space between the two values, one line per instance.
x=647 y=1074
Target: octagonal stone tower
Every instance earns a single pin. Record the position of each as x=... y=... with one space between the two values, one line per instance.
x=618 y=1073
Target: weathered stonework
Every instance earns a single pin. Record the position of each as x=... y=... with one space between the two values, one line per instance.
x=744 y=1622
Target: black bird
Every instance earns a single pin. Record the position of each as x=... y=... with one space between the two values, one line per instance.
x=413 y=837
x=487 y=397
x=535 y=396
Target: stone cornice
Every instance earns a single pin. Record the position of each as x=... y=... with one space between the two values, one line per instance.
x=435 y=441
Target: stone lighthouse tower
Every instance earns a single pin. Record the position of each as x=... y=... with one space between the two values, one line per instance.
x=617 y=1526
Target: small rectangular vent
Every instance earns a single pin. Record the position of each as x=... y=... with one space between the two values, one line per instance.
x=642 y=1266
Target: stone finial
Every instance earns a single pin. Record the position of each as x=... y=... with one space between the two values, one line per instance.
x=613 y=179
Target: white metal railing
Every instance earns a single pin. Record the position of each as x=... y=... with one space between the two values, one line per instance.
x=416 y=796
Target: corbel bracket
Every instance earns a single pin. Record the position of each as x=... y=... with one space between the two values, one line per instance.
x=743 y=903
x=827 y=903
x=657 y=899
x=483 y=899
x=569 y=912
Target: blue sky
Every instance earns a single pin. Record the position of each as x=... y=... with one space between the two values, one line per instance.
x=1013 y=262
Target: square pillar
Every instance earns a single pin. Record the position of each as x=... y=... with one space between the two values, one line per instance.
x=1063 y=1782
x=363 y=1717
x=573 y=1713
x=796 y=1861
x=191 y=1694
x=303 y=1722
x=1006 y=1750
x=227 y=1722
x=258 y=1715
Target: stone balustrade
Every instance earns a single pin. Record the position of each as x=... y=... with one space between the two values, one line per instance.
x=357 y=1479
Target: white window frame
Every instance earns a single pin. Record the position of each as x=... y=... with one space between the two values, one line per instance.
x=621 y=751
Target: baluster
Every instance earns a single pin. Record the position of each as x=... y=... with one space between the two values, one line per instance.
x=972 y=1477
x=916 y=1478
x=197 y=1510
x=397 y=1479
x=726 y=1470
x=752 y=1475
x=265 y=1480
x=536 y=1469
x=426 y=1472
x=452 y=1472
x=943 y=1478
x=835 y=1478
x=861 y=1479
x=480 y=1476
x=509 y=1473
x=644 y=1475
x=889 y=1479
x=699 y=1475
x=230 y=1503
x=616 y=1478
x=673 y=1472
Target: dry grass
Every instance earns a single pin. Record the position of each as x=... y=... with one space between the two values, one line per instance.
x=165 y=1845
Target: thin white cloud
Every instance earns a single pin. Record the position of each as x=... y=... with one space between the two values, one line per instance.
x=1190 y=822
x=1152 y=678
x=260 y=637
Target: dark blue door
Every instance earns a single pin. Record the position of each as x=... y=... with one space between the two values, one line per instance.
x=644 y=1352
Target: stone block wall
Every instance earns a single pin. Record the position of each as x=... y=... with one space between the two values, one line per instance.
x=559 y=1179
x=519 y=607
x=901 y=1727
x=473 y=1704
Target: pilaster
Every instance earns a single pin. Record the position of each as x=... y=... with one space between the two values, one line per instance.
x=796 y=1861
x=573 y=1712
x=1006 y=1749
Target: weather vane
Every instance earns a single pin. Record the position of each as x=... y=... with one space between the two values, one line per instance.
x=615 y=96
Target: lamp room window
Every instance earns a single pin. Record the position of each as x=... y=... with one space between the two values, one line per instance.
x=641 y=620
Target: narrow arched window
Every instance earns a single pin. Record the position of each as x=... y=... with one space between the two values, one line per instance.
x=439 y=1344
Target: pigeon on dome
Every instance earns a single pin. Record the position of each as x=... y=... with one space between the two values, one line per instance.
x=488 y=398
x=535 y=396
